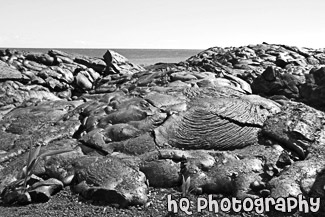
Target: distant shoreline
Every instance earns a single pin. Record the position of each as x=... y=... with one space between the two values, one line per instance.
x=137 y=56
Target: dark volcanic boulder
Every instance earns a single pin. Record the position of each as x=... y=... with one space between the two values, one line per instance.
x=43 y=190
x=94 y=63
x=162 y=173
x=299 y=128
x=45 y=59
x=116 y=63
x=9 y=73
x=274 y=82
x=232 y=173
x=313 y=90
x=110 y=180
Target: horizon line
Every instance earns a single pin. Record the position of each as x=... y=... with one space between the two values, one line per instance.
x=1 y=47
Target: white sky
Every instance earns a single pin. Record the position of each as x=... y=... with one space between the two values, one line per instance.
x=188 y=24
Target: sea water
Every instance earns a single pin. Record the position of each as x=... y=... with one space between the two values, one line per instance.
x=138 y=56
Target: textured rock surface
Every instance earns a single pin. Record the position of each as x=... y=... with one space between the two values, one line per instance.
x=225 y=117
x=300 y=128
x=110 y=180
x=214 y=123
x=28 y=76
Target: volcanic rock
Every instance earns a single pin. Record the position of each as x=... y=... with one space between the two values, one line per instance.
x=110 y=180
x=225 y=119
x=42 y=191
x=9 y=73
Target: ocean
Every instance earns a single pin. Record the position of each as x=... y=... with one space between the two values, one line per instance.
x=138 y=56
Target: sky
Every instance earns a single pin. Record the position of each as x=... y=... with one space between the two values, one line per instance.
x=165 y=24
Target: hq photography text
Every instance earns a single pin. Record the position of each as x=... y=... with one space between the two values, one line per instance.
x=258 y=205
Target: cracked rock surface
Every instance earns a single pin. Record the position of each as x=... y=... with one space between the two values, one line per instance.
x=239 y=121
